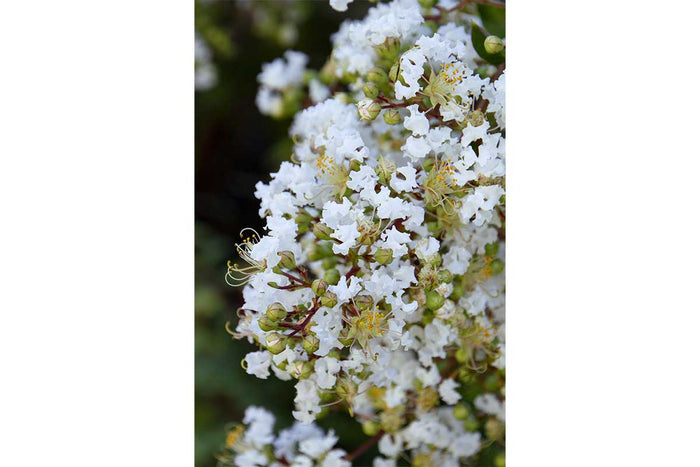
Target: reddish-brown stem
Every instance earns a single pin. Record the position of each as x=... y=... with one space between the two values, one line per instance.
x=352 y=272
x=294 y=278
x=364 y=446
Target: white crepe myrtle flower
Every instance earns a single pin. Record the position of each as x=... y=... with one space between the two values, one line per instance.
x=378 y=285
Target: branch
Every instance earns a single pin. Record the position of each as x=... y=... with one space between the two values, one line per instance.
x=364 y=446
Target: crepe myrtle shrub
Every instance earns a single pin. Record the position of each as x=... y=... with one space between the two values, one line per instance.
x=378 y=284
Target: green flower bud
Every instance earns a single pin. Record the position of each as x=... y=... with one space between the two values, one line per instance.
x=377 y=75
x=320 y=251
x=491 y=249
x=458 y=291
x=355 y=165
x=368 y=109
x=287 y=260
x=275 y=342
x=370 y=428
x=471 y=424
x=266 y=324
x=427 y=3
x=461 y=412
x=322 y=231
x=371 y=90
x=329 y=263
x=392 y=116
x=445 y=276
x=329 y=300
x=384 y=256
x=310 y=343
x=364 y=302
x=434 y=300
x=301 y=370
x=499 y=460
x=394 y=72
x=497 y=266
x=349 y=338
x=461 y=355
x=276 y=312
x=303 y=218
x=332 y=276
x=319 y=286
x=493 y=44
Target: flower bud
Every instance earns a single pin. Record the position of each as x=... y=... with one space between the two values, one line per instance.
x=329 y=262
x=348 y=338
x=301 y=370
x=371 y=90
x=275 y=343
x=384 y=256
x=493 y=44
x=499 y=460
x=355 y=165
x=368 y=109
x=332 y=276
x=310 y=343
x=322 y=231
x=491 y=249
x=276 y=312
x=392 y=116
x=329 y=300
x=497 y=266
x=370 y=428
x=266 y=324
x=303 y=218
x=377 y=75
x=287 y=260
x=471 y=424
x=461 y=355
x=445 y=276
x=494 y=429
x=320 y=251
x=434 y=300
x=364 y=302
x=427 y=3
x=461 y=412
x=319 y=286
x=394 y=72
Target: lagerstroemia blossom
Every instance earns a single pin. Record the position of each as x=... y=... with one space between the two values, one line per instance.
x=378 y=285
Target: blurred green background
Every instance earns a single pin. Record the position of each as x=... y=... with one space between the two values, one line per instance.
x=235 y=146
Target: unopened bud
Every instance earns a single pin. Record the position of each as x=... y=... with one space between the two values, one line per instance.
x=394 y=72
x=329 y=300
x=368 y=109
x=276 y=312
x=427 y=3
x=266 y=324
x=322 y=231
x=371 y=90
x=275 y=343
x=392 y=116
x=471 y=424
x=491 y=249
x=287 y=260
x=319 y=286
x=445 y=276
x=434 y=300
x=310 y=343
x=303 y=218
x=497 y=266
x=364 y=302
x=301 y=370
x=384 y=256
x=377 y=75
x=461 y=412
x=499 y=460
x=332 y=276
x=493 y=44
x=461 y=355
x=370 y=428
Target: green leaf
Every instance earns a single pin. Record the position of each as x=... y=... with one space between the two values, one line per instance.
x=494 y=19
x=478 y=38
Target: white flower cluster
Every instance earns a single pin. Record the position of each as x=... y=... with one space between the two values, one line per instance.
x=255 y=444
x=379 y=283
